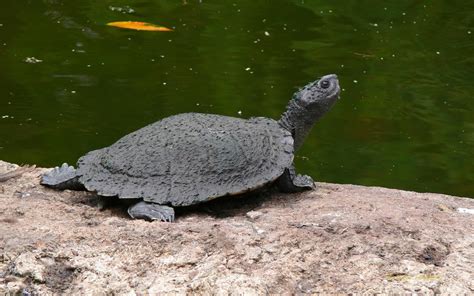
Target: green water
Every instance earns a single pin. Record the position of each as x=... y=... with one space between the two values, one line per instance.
x=405 y=119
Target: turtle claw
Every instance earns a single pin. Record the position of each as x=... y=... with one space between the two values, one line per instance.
x=151 y=212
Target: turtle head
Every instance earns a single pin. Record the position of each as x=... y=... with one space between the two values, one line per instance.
x=319 y=95
x=308 y=105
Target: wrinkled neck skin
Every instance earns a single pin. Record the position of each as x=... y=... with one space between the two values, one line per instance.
x=299 y=121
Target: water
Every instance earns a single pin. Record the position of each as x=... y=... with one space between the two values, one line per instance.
x=70 y=84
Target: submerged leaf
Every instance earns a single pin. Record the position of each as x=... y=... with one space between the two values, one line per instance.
x=141 y=26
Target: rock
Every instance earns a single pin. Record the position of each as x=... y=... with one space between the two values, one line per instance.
x=337 y=239
x=27 y=266
x=465 y=211
x=254 y=214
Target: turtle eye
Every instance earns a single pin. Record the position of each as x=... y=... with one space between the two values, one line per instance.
x=325 y=84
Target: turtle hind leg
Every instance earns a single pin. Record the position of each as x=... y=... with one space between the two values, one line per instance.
x=63 y=177
x=151 y=212
x=290 y=182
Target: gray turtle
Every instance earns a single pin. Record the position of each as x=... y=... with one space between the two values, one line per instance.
x=191 y=158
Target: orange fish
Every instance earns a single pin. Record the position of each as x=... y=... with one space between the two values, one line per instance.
x=140 y=26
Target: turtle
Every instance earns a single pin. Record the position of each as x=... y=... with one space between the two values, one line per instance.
x=190 y=158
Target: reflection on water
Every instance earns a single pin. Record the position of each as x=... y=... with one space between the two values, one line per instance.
x=406 y=69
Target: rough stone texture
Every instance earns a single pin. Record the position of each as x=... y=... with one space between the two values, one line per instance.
x=188 y=158
x=336 y=239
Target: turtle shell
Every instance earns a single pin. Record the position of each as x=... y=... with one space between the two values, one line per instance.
x=190 y=158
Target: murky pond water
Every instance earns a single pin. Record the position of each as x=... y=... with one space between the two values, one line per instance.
x=70 y=84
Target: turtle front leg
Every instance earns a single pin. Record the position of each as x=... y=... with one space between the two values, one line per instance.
x=61 y=178
x=151 y=212
x=290 y=182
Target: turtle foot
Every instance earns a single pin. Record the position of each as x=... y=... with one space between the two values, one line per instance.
x=304 y=182
x=151 y=212
x=289 y=182
x=63 y=177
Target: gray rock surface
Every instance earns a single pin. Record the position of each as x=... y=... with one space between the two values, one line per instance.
x=336 y=239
